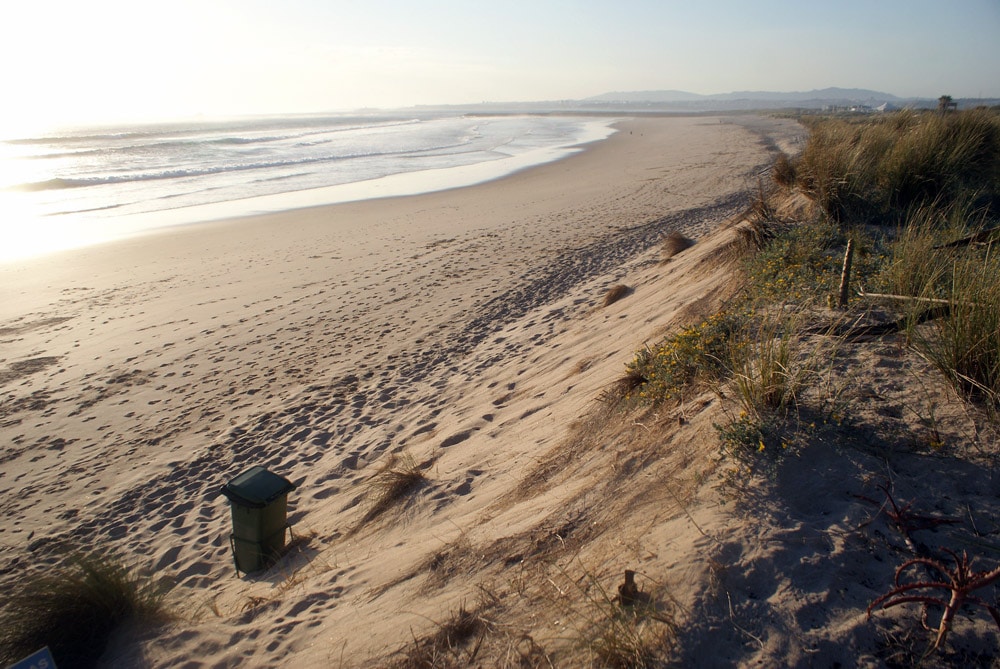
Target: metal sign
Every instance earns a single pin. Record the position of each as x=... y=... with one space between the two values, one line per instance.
x=39 y=660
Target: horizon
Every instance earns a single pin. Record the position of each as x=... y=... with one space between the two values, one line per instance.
x=100 y=64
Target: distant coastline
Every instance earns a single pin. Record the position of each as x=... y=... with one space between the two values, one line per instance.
x=74 y=189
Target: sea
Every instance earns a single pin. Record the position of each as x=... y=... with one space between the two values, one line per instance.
x=83 y=186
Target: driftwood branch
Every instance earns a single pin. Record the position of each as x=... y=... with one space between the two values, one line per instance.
x=845 y=276
x=905 y=298
x=912 y=298
x=981 y=237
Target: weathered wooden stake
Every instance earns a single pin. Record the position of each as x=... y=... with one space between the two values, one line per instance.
x=845 y=276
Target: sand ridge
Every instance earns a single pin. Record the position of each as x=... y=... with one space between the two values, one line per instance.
x=139 y=376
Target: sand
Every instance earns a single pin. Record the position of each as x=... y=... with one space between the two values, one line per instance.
x=465 y=328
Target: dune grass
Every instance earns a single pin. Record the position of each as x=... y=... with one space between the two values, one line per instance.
x=616 y=293
x=767 y=364
x=673 y=244
x=917 y=194
x=392 y=485
x=75 y=608
x=878 y=170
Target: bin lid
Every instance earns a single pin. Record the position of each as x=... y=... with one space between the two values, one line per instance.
x=256 y=488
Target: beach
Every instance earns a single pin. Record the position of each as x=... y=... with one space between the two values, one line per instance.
x=462 y=327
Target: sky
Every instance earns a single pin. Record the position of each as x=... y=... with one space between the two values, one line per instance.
x=70 y=62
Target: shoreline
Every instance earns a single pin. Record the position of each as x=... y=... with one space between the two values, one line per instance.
x=75 y=230
x=139 y=376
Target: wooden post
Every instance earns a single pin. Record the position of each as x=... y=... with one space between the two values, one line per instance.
x=845 y=276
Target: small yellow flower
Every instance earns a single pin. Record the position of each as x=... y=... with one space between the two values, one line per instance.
x=760 y=446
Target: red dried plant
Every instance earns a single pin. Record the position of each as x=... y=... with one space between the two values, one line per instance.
x=905 y=520
x=961 y=582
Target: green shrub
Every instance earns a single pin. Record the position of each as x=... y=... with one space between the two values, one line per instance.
x=801 y=263
x=768 y=365
x=663 y=372
x=74 y=609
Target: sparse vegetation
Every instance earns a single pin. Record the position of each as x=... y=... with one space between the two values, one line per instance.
x=673 y=244
x=918 y=194
x=630 y=630
x=616 y=293
x=456 y=643
x=664 y=372
x=75 y=608
x=394 y=483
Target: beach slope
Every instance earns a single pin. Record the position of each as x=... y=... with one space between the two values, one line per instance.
x=463 y=328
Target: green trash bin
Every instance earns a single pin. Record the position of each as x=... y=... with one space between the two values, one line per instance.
x=259 y=500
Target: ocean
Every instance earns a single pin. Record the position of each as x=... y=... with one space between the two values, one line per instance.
x=78 y=187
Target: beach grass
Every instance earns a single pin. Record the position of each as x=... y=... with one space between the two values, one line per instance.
x=880 y=169
x=930 y=184
x=616 y=293
x=675 y=243
x=396 y=481
x=75 y=608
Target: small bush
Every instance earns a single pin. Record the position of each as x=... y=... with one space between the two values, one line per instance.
x=75 y=608
x=767 y=365
x=783 y=171
x=663 y=372
x=616 y=293
x=802 y=262
x=398 y=479
x=675 y=243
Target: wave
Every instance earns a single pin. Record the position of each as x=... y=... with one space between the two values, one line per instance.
x=60 y=183
x=219 y=133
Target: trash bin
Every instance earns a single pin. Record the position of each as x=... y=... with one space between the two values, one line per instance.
x=259 y=500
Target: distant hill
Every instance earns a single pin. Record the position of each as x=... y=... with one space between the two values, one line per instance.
x=672 y=101
x=853 y=94
x=826 y=97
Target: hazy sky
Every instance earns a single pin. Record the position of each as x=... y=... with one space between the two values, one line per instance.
x=66 y=61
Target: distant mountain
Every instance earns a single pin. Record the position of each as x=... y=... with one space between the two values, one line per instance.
x=748 y=99
x=647 y=96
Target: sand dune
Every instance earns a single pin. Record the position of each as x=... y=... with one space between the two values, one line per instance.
x=463 y=326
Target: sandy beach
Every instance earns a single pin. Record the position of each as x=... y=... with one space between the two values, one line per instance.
x=463 y=327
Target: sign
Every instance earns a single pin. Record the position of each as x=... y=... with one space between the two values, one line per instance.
x=38 y=660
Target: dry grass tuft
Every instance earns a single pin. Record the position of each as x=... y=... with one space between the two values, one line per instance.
x=75 y=608
x=673 y=244
x=783 y=171
x=394 y=483
x=624 y=633
x=624 y=386
x=451 y=646
x=767 y=365
x=616 y=293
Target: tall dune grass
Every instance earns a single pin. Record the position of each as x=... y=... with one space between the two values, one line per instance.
x=962 y=285
x=74 y=609
x=879 y=170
